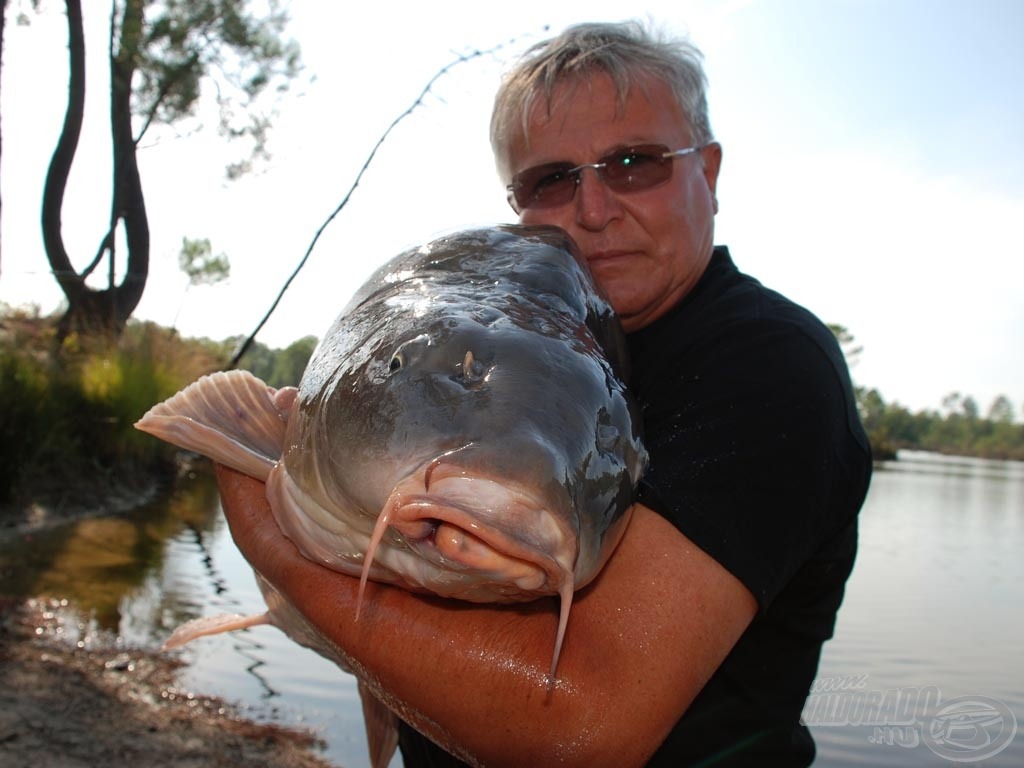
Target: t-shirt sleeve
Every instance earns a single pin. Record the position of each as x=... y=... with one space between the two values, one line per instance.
x=755 y=451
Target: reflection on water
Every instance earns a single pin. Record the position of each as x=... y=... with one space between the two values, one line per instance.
x=934 y=605
x=97 y=563
x=140 y=575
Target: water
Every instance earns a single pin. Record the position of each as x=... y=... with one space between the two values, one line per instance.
x=139 y=576
x=933 y=609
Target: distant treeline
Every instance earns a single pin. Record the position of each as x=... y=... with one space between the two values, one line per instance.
x=959 y=429
x=278 y=367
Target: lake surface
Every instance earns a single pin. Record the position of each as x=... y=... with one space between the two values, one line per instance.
x=926 y=666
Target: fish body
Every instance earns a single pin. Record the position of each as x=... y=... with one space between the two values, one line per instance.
x=467 y=397
x=462 y=429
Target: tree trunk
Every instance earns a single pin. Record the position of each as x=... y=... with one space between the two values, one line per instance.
x=100 y=311
x=3 y=20
x=70 y=283
x=129 y=204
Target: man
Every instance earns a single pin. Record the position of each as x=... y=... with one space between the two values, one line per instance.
x=699 y=641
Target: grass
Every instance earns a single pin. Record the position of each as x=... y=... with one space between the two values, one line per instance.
x=67 y=412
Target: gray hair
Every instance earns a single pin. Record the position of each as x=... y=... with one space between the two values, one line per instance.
x=627 y=52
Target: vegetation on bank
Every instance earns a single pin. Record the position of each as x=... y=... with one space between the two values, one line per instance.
x=959 y=429
x=67 y=411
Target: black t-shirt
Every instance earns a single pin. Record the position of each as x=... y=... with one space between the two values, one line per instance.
x=758 y=457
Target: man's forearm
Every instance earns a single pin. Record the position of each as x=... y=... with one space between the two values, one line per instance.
x=475 y=677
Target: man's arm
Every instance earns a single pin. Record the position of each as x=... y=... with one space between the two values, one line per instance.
x=642 y=641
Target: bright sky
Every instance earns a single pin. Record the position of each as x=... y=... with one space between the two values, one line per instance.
x=874 y=168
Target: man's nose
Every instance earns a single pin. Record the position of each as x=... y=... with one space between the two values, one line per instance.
x=596 y=204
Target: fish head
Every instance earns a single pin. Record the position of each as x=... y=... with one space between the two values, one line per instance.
x=471 y=428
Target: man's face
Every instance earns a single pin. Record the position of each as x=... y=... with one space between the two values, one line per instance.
x=647 y=248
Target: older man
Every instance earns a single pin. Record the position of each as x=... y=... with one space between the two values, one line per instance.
x=699 y=641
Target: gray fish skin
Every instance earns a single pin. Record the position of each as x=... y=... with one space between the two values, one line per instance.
x=471 y=393
x=462 y=429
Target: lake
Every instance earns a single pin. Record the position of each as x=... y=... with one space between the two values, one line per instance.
x=926 y=667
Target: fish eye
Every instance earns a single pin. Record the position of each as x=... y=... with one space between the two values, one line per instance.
x=408 y=352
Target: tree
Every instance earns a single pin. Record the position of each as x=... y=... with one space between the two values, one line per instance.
x=161 y=52
x=952 y=402
x=197 y=261
x=1001 y=410
x=846 y=341
x=290 y=363
x=3 y=20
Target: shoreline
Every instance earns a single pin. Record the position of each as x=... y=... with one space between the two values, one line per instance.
x=70 y=704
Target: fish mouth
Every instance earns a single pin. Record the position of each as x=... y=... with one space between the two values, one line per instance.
x=495 y=540
x=499 y=540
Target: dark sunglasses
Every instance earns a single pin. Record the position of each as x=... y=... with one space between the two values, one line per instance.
x=625 y=170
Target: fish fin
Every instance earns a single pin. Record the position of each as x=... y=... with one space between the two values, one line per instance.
x=212 y=625
x=230 y=416
x=381 y=728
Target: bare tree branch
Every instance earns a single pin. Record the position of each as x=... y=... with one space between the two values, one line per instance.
x=244 y=346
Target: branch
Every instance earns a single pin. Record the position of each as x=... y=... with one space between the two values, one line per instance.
x=165 y=88
x=244 y=346
x=106 y=244
x=63 y=155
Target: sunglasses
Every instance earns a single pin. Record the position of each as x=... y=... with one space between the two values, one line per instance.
x=625 y=170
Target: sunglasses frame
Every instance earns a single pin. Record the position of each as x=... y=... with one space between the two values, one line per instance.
x=617 y=159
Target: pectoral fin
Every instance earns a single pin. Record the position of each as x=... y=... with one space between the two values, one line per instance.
x=230 y=416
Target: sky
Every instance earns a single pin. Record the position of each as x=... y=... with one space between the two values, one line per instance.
x=873 y=168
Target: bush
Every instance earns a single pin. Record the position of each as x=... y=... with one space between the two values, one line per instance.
x=69 y=412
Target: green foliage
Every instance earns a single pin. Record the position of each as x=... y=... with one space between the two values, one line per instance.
x=236 y=44
x=290 y=363
x=197 y=261
x=68 y=411
x=851 y=351
x=1001 y=410
x=258 y=359
x=960 y=430
x=279 y=368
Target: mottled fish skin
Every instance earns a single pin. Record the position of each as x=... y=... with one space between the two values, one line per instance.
x=462 y=429
x=489 y=357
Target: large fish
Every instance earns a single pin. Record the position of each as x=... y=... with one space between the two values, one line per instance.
x=462 y=429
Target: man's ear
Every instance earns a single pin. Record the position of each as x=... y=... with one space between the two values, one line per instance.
x=712 y=157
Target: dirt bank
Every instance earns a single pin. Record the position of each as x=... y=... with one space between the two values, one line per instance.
x=67 y=706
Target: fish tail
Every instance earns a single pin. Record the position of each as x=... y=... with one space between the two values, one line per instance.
x=381 y=727
x=230 y=416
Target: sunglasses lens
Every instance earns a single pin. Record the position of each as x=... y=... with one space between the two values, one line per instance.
x=629 y=170
x=637 y=168
x=544 y=186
